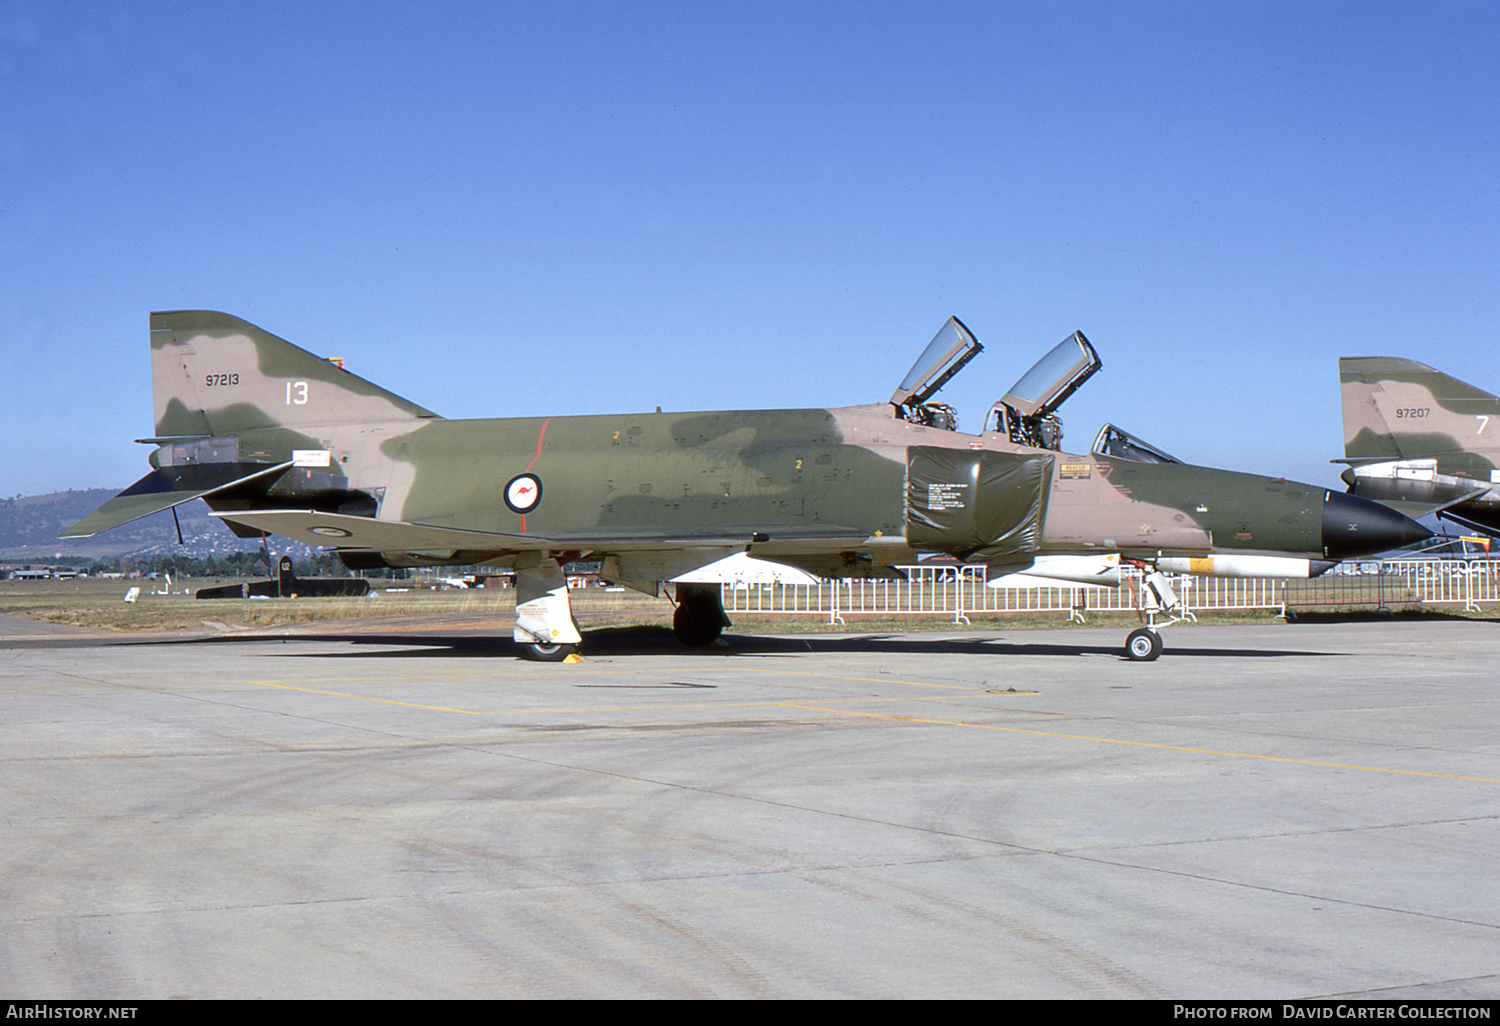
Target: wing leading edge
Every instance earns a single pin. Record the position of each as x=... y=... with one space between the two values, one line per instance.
x=371 y=535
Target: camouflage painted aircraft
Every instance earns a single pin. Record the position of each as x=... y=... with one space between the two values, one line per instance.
x=1421 y=441
x=277 y=440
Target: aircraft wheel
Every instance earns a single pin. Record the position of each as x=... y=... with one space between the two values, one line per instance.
x=548 y=653
x=1143 y=645
x=697 y=625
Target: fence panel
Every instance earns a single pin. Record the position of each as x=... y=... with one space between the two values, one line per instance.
x=958 y=592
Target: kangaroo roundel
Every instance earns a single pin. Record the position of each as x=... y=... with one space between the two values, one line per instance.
x=523 y=492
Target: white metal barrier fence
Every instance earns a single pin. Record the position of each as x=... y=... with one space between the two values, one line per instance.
x=961 y=592
x=1402 y=582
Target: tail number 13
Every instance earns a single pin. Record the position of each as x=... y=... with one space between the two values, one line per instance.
x=296 y=393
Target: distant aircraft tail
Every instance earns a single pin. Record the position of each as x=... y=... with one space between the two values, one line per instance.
x=213 y=374
x=1421 y=441
x=1397 y=409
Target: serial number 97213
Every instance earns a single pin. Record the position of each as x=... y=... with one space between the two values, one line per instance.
x=221 y=379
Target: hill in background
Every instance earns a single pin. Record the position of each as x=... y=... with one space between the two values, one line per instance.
x=30 y=524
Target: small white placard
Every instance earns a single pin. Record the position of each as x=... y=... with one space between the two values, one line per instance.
x=311 y=458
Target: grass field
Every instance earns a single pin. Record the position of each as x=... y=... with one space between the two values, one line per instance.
x=100 y=604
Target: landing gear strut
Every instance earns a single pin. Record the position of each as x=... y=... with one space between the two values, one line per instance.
x=700 y=618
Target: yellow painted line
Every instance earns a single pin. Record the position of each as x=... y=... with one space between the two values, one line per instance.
x=1145 y=744
x=977 y=689
x=869 y=715
x=655 y=707
x=366 y=698
x=708 y=671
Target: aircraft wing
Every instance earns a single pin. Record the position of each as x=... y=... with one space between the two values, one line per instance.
x=152 y=494
x=366 y=533
x=1474 y=518
x=1418 y=509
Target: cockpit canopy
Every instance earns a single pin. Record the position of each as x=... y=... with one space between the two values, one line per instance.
x=1026 y=414
x=952 y=347
x=1122 y=445
x=1054 y=377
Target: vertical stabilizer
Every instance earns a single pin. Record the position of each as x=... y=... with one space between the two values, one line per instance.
x=213 y=374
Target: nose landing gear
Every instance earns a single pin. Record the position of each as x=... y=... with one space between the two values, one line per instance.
x=1154 y=596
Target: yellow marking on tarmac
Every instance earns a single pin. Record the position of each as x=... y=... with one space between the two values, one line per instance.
x=1144 y=744
x=487 y=675
x=367 y=698
x=850 y=712
x=571 y=709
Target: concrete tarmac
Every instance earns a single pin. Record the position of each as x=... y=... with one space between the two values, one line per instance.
x=1268 y=812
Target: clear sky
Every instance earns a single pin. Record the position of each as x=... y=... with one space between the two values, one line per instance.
x=521 y=207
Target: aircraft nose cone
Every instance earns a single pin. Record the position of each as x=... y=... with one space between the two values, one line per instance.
x=1353 y=526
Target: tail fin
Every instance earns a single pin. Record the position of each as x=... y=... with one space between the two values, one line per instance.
x=1397 y=409
x=213 y=374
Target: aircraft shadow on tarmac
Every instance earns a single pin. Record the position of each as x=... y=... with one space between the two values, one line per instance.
x=608 y=643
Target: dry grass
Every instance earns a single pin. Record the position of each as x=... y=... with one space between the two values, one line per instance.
x=99 y=605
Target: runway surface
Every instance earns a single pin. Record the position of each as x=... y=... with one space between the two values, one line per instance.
x=1268 y=812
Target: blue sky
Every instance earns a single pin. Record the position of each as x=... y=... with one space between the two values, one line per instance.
x=519 y=208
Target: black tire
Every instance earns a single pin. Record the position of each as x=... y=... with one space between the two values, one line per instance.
x=1143 y=645
x=697 y=625
x=550 y=653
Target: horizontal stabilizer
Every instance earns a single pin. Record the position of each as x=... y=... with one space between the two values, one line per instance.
x=152 y=494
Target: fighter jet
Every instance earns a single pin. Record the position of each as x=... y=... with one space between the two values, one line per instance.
x=1421 y=441
x=277 y=440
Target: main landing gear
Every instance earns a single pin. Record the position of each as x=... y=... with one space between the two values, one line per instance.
x=1154 y=597
x=544 y=616
x=700 y=617
x=546 y=631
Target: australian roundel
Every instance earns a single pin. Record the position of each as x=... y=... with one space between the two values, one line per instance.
x=523 y=492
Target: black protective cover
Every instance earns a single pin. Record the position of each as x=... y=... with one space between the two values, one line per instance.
x=978 y=505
